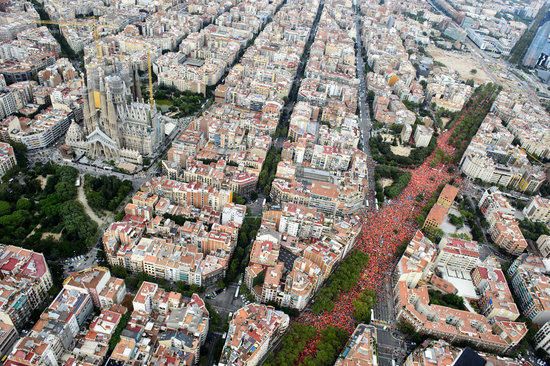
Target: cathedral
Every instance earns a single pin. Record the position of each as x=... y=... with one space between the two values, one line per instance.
x=118 y=123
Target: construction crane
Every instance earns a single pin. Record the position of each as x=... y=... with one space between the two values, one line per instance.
x=147 y=48
x=150 y=77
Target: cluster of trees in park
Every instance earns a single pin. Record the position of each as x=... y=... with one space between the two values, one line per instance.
x=370 y=99
x=292 y=344
x=239 y=260
x=240 y=200
x=457 y=221
x=362 y=306
x=341 y=280
x=400 y=180
x=281 y=131
x=27 y=211
x=268 y=170
x=448 y=300
x=186 y=103
x=381 y=152
x=217 y=323
x=105 y=192
x=330 y=345
x=532 y=230
x=419 y=16
x=472 y=116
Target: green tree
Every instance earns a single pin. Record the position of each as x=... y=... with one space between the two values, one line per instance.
x=292 y=344
x=16 y=219
x=331 y=343
x=341 y=280
x=362 y=306
x=5 y=208
x=238 y=199
x=23 y=204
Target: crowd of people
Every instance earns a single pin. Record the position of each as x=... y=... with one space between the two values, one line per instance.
x=383 y=232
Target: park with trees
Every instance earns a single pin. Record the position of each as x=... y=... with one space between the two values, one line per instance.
x=39 y=211
x=383 y=154
x=448 y=300
x=105 y=192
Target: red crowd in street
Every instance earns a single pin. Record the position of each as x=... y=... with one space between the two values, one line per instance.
x=383 y=232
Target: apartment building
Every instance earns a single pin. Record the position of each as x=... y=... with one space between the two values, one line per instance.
x=531 y=285
x=93 y=347
x=542 y=338
x=97 y=281
x=163 y=321
x=496 y=298
x=422 y=136
x=439 y=351
x=492 y=158
x=32 y=351
x=41 y=131
x=361 y=348
x=503 y=226
x=525 y=120
x=437 y=213
x=149 y=240
x=413 y=306
x=417 y=262
x=253 y=329
x=24 y=286
x=8 y=337
x=538 y=210
x=543 y=245
x=458 y=254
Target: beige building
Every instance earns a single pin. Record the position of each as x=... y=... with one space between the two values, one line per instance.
x=253 y=329
x=538 y=209
x=543 y=244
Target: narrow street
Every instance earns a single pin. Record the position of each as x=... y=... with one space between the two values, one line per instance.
x=365 y=123
x=293 y=95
